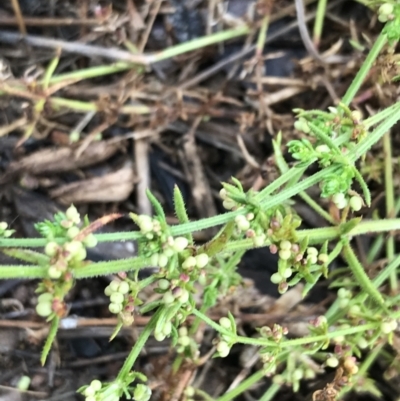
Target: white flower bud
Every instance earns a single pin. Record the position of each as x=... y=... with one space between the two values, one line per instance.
x=201 y=260
x=180 y=243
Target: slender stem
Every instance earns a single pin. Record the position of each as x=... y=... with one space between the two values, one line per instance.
x=137 y=348
x=271 y=392
x=92 y=72
x=319 y=22
x=316 y=207
x=283 y=167
x=365 y=68
x=111 y=267
x=22 y=271
x=201 y=42
x=378 y=243
x=287 y=343
x=390 y=209
x=242 y=387
x=361 y=277
x=381 y=115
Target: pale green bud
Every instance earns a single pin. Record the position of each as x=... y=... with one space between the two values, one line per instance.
x=332 y=362
x=285 y=245
x=54 y=273
x=123 y=287
x=51 y=248
x=73 y=231
x=90 y=241
x=276 y=278
x=115 y=308
x=96 y=385
x=162 y=260
x=285 y=254
x=201 y=260
x=356 y=203
x=223 y=349
x=168 y=298
x=225 y=322
x=189 y=263
x=163 y=284
x=180 y=244
x=44 y=309
x=116 y=298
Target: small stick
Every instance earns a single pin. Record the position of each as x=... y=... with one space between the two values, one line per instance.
x=304 y=34
x=77 y=48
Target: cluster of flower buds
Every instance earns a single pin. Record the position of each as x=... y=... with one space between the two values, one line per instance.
x=148 y=226
x=302 y=125
x=243 y=222
x=292 y=259
x=385 y=12
x=70 y=252
x=183 y=340
x=44 y=306
x=176 y=294
x=117 y=291
x=228 y=203
x=223 y=346
x=344 y=297
x=142 y=393
x=388 y=326
x=199 y=261
x=91 y=392
x=4 y=232
x=341 y=201
x=276 y=333
x=171 y=247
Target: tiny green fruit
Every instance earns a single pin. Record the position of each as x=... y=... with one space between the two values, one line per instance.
x=51 y=248
x=44 y=309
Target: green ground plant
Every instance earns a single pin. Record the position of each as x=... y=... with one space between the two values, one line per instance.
x=358 y=324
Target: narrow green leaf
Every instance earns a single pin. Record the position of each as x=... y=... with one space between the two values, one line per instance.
x=364 y=187
x=21 y=271
x=180 y=211
x=49 y=340
x=27 y=255
x=157 y=205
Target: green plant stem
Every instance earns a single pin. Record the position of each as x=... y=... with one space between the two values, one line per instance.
x=283 y=168
x=289 y=343
x=201 y=42
x=92 y=72
x=111 y=267
x=390 y=207
x=262 y=36
x=319 y=22
x=362 y=279
x=88 y=106
x=22 y=271
x=316 y=235
x=137 y=348
x=271 y=392
x=365 y=68
x=242 y=387
x=316 y=207
x=381 y=115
